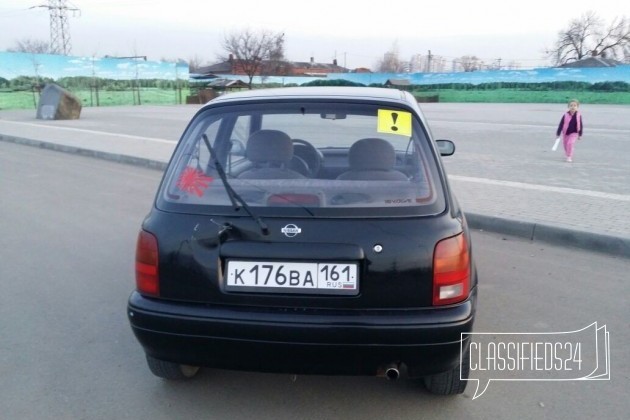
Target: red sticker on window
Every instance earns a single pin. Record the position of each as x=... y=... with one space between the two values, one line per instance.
x=194 y=181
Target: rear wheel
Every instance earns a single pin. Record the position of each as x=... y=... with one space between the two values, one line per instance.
x=170 y=370
x=449 y=383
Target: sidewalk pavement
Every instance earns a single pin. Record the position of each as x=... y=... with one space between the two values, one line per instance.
x=590 y=219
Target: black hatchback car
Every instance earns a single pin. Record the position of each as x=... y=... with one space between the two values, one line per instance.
x=307 y=231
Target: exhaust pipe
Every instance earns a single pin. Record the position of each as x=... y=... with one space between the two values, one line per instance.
x=390 y=371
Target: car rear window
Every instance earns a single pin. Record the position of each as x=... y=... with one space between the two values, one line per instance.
x=338 y=159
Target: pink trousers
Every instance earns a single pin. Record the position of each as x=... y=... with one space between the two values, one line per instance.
x=568 y=141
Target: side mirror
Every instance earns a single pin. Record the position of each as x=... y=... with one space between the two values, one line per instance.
x=446 y=147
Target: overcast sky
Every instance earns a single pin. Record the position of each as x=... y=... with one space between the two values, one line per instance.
x=353 y=32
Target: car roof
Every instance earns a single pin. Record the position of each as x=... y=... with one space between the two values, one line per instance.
x=317 y=92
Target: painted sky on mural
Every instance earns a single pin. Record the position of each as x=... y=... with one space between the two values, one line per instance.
x=539 y=75
x=355 y=34
x=55 y=66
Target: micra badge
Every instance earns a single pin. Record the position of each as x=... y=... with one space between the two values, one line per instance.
x=290 y=230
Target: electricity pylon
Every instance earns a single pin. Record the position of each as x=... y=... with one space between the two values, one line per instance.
x=59 y=32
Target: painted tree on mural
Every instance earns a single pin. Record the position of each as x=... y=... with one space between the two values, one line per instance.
x=588 y=36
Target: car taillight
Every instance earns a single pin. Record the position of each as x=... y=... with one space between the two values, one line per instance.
x=451 y=271
x=147 y=279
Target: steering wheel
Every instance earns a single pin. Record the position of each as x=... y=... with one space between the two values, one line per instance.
x=306 y=153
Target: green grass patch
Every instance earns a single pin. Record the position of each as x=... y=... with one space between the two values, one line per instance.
x=18 y=100
x=526 y=96
x=156 y=96
x=148 y=96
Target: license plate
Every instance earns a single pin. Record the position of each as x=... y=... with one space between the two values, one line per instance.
x=293 y=277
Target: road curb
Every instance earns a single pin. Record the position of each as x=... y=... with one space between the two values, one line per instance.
x=608 y=244
x=115 y=157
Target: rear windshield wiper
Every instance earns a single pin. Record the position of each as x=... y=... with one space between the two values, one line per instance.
x=235 y=198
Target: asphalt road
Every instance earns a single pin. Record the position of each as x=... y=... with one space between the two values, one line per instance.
x=68 y=226
x=512 y=142
x=508 y=142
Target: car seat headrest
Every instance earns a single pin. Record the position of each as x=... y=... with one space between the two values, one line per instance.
x=372 y=154
x=271 y=146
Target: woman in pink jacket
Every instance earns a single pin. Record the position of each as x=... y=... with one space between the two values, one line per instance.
x=571 y=128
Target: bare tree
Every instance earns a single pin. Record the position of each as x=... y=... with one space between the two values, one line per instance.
x=391 y=62
x=252 y=50
x=470 y=63
x=587 y=36
x=194 y=63
x=33 y=46
x=512 y=65
x=277 y=65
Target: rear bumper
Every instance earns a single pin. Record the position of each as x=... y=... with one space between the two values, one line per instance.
x=301 y=341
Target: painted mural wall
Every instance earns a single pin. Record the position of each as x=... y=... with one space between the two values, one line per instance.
x=540 y=75
x=103 y=81
x=95 y=81
x=13 y=65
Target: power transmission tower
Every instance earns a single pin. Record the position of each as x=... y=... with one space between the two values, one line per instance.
x=59 y=32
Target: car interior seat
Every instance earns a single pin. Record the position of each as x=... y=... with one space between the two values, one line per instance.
x=270 y=152
x=372 y=159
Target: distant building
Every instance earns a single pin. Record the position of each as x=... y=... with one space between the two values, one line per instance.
x=311 y=68
x=402 y=84
x=593 y=62
x=207 y=87
x=225 y=84
x=427 y=64
x=225 y=67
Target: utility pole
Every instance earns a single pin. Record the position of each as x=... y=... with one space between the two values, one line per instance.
x=94 y=85
x=178 y=87
x=59 y=32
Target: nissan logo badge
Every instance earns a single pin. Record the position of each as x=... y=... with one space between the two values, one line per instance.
x=290 y=230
